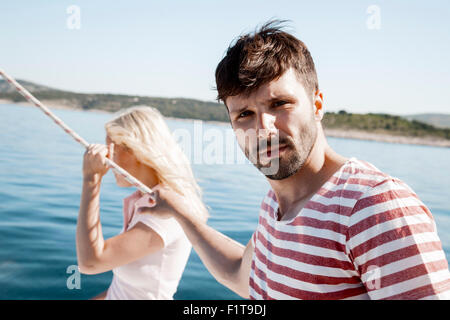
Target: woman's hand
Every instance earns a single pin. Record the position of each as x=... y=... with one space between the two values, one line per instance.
x=94 y=162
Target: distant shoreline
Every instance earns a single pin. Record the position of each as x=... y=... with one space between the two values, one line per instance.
x=335 y=133
x=369 y=136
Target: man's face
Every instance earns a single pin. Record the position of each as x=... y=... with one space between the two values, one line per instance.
x=282 y=115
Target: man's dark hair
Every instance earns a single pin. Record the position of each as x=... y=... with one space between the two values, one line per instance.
x=258 y=58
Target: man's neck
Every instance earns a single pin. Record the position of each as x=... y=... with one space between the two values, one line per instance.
x=293 y=193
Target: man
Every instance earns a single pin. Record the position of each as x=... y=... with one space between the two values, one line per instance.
x=330 y=227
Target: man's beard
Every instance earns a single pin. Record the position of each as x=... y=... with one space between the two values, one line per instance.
x=294 y=157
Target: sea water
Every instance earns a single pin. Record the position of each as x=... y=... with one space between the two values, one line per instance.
x=40 y=188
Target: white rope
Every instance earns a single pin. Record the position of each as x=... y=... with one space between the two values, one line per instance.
x=27 y=95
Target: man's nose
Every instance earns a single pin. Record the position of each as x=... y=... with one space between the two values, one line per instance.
x=266 y=125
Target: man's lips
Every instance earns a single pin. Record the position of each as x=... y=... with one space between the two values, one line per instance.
x=269 y=151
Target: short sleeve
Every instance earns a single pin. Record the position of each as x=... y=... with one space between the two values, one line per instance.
x=168 y=229
x=393 y=243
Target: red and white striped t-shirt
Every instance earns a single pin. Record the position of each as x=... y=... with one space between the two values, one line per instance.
x=363 y=235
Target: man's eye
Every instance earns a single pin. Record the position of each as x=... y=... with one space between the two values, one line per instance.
x=244 y=114
x=279 y=103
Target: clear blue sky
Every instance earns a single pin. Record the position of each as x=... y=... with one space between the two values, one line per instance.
x=171 y=48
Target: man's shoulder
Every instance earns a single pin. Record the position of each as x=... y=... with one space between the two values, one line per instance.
x=380 y=191
x=361 y=177
x=365 y=183
x=363 y=172
x=353 y=180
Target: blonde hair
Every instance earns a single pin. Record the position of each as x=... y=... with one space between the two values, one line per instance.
x=144 y=130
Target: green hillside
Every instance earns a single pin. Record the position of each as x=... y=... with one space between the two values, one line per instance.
x=439 y=120
x=383 y=124
x=203 y=110
x=169 y=107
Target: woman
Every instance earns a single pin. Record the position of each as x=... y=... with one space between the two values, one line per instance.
x=149 y=255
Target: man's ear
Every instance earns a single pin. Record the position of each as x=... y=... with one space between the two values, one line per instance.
x=318 y=105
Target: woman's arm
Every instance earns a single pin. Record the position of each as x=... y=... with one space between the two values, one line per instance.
x=90 y=242
x=95 y=255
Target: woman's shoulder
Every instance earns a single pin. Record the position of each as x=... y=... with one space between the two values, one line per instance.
x=168 y=229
